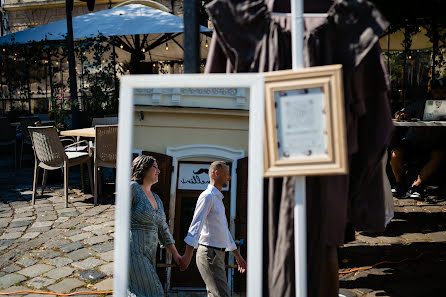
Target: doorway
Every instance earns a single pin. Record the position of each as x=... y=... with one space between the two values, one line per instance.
x=184 y=212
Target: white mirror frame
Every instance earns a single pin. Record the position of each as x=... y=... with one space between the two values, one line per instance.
x=255 y=82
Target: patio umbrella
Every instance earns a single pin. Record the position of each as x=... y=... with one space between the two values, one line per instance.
x=155 y=28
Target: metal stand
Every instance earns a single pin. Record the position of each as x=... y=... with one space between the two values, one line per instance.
x=300 y=229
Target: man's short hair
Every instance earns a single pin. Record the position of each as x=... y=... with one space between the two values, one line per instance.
x=217 y=165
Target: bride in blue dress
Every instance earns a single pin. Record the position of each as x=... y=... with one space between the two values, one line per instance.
x=147 y=227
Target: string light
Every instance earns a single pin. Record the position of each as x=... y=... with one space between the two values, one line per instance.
x=57 y=63
x=84 y=53
x=4 y=50
x=206 y=44
x=121 y=46
x=46 y=61
x=410 y=57
x=68 y=62
x=167 y=47
x=143 y=50
x=154 y=65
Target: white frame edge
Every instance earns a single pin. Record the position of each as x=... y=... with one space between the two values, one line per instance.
x=255 y=82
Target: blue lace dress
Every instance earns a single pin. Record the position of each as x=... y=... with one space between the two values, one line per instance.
x=147 y=227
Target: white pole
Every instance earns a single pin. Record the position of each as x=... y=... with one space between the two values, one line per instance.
x=297 y=34
x=300 y=229
x=300 y=237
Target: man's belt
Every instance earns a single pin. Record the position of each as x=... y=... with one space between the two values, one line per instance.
x=213 y=247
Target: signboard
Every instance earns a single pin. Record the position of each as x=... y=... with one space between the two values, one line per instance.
x=304 y=122
x=194 y=176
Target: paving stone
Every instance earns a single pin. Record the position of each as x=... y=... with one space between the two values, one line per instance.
x=27 y=219
x=60 y=261
x=15 y=289
x=102 y=248
x=47 y=254
x=36 y=270
x=105 y=285
x=25 y=209
x=11 y=279
x=91 y=275
x=62 y=219
x=16 y=229
x=24 y=215
x=414 y=237
x=437 y=236
x=80 y=254
x=107 y=256
x=48 y=217
x=389 y=240
x=40 y=229
x=97 y=239
x=72 y=232
x=107 y=269
x=5 y=243
x=106 y=230
x=88 y=263
x=56 y=243
x=31 y=235
x=66 y=285
x=26 y=262
x=72 y=246
x=40 y=282
x=19 y=224
x=12 y=268
x=42 y=224
x=81 y=236
x=12 y=235
x=70 y=214
x=59 y=272
x=92 y=227
x=346 y=293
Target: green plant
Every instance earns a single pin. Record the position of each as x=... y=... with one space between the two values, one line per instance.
x=61 y=104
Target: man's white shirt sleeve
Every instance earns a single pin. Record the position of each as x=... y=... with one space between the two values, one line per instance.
x=202 y=209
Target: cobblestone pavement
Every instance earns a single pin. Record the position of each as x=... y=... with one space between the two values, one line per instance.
x=48 y=247
x=418 y=226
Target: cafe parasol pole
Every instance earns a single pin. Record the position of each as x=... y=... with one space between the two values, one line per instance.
x=300 y=229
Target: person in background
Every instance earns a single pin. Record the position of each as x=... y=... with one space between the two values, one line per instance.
x=147 y=227
x=209 y=233
x=417 y=141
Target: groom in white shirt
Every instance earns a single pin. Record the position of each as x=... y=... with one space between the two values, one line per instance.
x=209 y=233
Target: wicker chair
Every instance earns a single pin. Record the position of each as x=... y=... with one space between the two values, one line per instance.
x=8 y=137
x=50 y=155
x=104 y=121
x=104 y=153
x=26 y=122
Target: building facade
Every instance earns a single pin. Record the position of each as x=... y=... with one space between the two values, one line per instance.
x=185 y=130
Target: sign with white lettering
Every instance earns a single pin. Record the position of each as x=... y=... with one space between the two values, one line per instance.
x=194 y=176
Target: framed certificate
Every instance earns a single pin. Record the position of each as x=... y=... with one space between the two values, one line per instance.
x=304 y=122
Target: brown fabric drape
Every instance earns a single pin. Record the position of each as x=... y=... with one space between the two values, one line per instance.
x=248 y=38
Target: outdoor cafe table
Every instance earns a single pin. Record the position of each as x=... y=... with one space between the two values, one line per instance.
x=419 y=123
x=84 y=132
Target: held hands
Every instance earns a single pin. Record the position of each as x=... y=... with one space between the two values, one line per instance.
x=240 y=261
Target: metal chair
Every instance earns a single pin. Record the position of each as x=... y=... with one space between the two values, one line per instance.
x=8 y=137
x=26 y=122
x=49 y=154
x=106 y=143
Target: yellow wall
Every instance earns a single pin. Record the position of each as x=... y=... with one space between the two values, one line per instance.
x=164 y=127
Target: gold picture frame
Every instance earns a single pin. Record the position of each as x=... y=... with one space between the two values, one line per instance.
x=305 y=131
